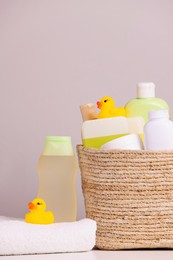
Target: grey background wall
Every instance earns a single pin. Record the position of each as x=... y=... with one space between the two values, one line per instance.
x=58 y=54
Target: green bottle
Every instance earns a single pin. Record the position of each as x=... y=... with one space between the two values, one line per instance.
x=145 y=101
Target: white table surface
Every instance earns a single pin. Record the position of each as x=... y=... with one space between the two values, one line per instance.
x=101 y=255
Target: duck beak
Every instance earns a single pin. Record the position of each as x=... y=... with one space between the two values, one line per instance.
x=99 y=104
x=31 y=206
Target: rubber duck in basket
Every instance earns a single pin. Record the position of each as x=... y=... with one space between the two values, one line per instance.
x=107 y=109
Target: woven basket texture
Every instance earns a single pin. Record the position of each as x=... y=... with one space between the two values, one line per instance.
x=130 y=195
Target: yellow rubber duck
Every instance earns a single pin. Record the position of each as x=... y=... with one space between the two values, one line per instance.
x=107 y=109
x=38 y=215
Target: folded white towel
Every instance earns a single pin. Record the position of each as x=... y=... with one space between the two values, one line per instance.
x=18 y=237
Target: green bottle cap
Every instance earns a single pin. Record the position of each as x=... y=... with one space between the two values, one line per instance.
x=58 y=145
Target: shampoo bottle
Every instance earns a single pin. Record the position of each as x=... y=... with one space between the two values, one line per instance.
x=57 y=168
x=145 y=102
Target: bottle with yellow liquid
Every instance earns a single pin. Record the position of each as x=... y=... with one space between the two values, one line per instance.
x=57 y=168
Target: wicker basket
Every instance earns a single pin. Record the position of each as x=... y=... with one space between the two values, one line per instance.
x=130 y=195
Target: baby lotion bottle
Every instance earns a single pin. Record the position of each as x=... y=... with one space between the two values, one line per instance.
x=145 y=101
x=97 y=132
x=57 y=168
x=158 y=132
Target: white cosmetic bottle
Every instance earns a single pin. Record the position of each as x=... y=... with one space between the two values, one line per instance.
x=158 y=132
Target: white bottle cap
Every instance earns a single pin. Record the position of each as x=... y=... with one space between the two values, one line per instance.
x=145 y=90
x=154 y=114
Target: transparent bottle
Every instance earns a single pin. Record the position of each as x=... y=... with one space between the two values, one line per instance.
x=57 y=168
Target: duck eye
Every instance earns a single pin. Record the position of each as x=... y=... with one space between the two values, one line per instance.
x=38 y=203
x=105 y=100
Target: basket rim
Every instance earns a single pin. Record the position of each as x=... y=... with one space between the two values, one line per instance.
x=115 y=151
